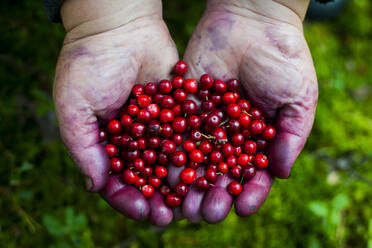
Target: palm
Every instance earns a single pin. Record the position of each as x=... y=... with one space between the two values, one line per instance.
x=272 y=60
x=93 y=80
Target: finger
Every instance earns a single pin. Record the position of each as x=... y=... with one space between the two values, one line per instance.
x=177 y=214
x=254 y=193
x=173 y=176
x=293 y=126
x=125 y=199
x=160 y=214
x=217 y=201
x=191 y=206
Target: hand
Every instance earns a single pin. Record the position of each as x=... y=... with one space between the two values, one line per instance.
x=104 y=54
x=262 y=44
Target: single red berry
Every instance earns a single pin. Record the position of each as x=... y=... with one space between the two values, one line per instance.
x=111 y=150
x=126 y=120
x=157 y=98
x=188 y=145
x=249 y=147
x=233 y=110
x=220 y=113
x=130 y=155
x=207 y=105
x=231 y=161
x=177 y=110
x=196 y=156
x=189 y=107
x=194 y=122
x=147 y=171
x=173 y=200
x=137 y=90
x=115 y=140
x=190 y=86
x=179 y=96
x=195 y=135
x=147 y=190
x=139 y=164
x=227 y=150
x=116 y=164
x=102 y=135
x=143 y=116
x=213 y=121
x=206 y=82
x=179 y=158
x=155 y=181
x=229 y=97
x=219 y=86
x=165 y=87
x=181 y=189
x=255 y=113
x=133 y=110
x=216 y=98
x=237 y=139
x=202 y=94
x=133 y=145
x=188 y=176
x=143 y=101
x=261 y=144
x=202 y=184
x=234 y=188
x=212 y=166
x=256 y=127
x=244 y=105
x=222 y=167
x=149 y=156
x=168 y=147
x=153 y=143
x=244 y=120
x=215 y=157
x=236 y=172
x=220 y=135
x=114 y=127
x=137 y=130
x=243 y=160
x=167 y=102
x=180 y=68
x=163 y=158
x=166 y=115
x=269 y=132
x=150 y=88
x=164 y=190
x=179 y=124
x=177 y=82
x=178 y=139
x=211 y=175
x=129 y=176
x=153 y=128
x=192 y=165
x=248 y=172
x=205 y=147
x=233 y=126
x=154 y=110
x=237 y=150
x=161 y=171
x=261 y=161
x=140 y=182
x=233 y=84
x=166 y=131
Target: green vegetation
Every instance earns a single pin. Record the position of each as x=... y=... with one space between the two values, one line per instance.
x=326 y=203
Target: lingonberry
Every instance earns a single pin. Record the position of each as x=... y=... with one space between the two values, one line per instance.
x=269 y=132
x=216 y=98
x=195 y=135
x=255 y=113
x=133 y=145
x=157 y=98
x=165 y=87
x=248 y=172
x=249 y=147
x=147 y=190
x=237 y=150
x=215 y=157
x=130 y=155
x=229 y=97
x=233 y=126
x=220 y=135
x=137 y=90
x=161 y=171
x=179 y=158
x=147 y=171
x=166 y=115
x=233 y=110
x=194 y=122
x=128 y=176
x=154 y=110
x=188 y=176
x=140 y=182
x=155 y=181
x=126 y=120
x=244 y=120
x=180 y=68
x=138 y=164
x=205 y=147
x=153 y=143
x=173 y=200
x=256 y=127
x=142 y=143
x=181 y=189
x=190 y=86
x=150 y=88
x=153 y=128
x=179 y=124
x=207 y=105
x=211 y=175
x=116 y=164
x=236 y=172
x=111 y=150
x=212 y=167
x=116 y=140
x=237 y=139
x=196 y=156
x=143 y=101
x=166 y=131
x=168 y=147
x=179 y=96
x=244 y=105
x=189 y=107
x=178 y=139
x=133 y=110
x=192 y=165
x=243 y=160
x=177 y=110
x=261 y=144
x=102 y=136
x=167 y=102
x=234 y=188
x=177 y=82
x=231 y=161
x=188 y=145
x=227 y=150
x=206 y=82
x=261 y=161
x=219 y=86
x=149 y=156
x=164 y=190
x=202 y=184
x=222 y=167
x=144 y=116
x=114 y=127
x=202 y=94
x=163 y=158
x=233 y=84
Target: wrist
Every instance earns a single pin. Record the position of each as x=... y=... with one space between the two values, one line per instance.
x=288 y=11
x=83 y=18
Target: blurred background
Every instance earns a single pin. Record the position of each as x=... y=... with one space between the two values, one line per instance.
x=327 y=202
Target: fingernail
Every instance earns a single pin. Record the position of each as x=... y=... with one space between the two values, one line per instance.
x=89 y=183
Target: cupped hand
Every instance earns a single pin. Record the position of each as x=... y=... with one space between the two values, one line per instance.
x=94 y=77
x=270 y=57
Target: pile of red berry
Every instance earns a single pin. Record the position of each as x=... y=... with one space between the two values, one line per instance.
x=185 y=123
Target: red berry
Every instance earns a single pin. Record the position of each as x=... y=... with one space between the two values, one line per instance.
x=205 y=147
x=194 y=122
x=206 y=82
x=179 y=96
x=222 y=167
x=166 y=115
x=114 y=127
x=233 y=110
x=234 y=188
x=178 y=139
x=255 y=113
x=168 y=147
x=115 y=140
x=154 y=181
x=244 y=120
x=202 y=94
x=111 y=150
x=227 y=150
x=213 y=121
x=102 y=135
x=237 y=150
x=164 y=190
x=130 y=155
x=181 y=189
x=129 y=176
x=116 y=165
x=256 y=127
x=249 y=147
x=165 y=87
x=243 y=160
x=190 y=86
x=244 y=104
x=211 y=175
x=188 y=145
x=229 y=97
x=143 y=101
x=261 y=161
x=153 y=143
x=202 y=183
x=147 y=190
x=154 y=110
x=137 y=90
x=163 y=159
x=216 y=98
x=179 y=124
x=180 y=68
x=137 y=130
x=173 y=200
x=140 y=182
x=189 y=107
x=133 y=110
x=215 y=157
x=231 y=161
x=167 y=102
x=150 y=88
x=153 y=128
x=196 y=156
x=248 y=172
x=149 y=156
x=269 y=132
x=177 y=110
x=195 y=135
x=161 y=171
x=219 y=86
x=233 y=126
x=207 y=105
x=188 y=176
x=147 y=171
x=126 y=120
x=143 y=116
x=220 y=135
x=157 y=98
x=236 y=172
x=261 y=144
x=139 y=164
x=177 y=82
x=193 y=165
x=233 y=84
x=166 y=131
x=179 y=158
x=237 y=139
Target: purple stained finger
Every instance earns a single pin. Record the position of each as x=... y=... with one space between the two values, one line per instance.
x=254 y=193
x=125 y=199
x=173 y=176
x=160 y=214
x=191 y=206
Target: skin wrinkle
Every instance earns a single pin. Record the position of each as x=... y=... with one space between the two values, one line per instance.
x=218 y=38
